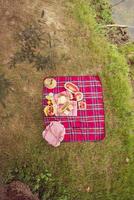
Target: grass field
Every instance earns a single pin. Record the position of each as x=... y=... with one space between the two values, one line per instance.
x=75 y=171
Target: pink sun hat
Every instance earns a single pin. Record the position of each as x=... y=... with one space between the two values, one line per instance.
x=54 y=133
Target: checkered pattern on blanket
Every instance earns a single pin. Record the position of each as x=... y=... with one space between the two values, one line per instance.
x=89 y=125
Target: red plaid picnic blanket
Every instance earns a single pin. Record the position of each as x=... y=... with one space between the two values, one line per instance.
x=89 y=124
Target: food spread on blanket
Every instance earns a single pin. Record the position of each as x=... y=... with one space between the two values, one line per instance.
x=83 y=118
x=65 y=103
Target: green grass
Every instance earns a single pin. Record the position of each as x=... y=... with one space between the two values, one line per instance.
x=102 y=10
x=82 y=171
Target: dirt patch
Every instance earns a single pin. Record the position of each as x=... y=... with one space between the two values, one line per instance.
x=15 y=16
x=117 y=35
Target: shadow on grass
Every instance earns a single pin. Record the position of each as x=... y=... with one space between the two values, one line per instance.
x=5 y=85
x=35 y=47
